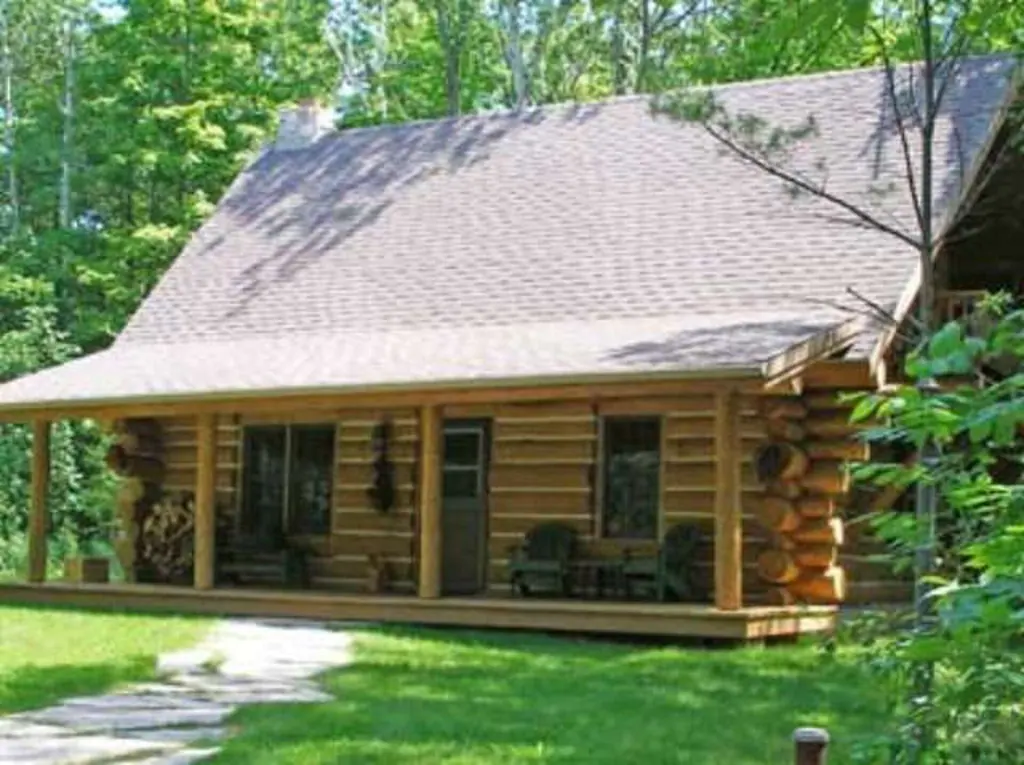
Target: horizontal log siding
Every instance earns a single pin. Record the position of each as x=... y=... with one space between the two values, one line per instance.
x=542 y=466
x=180 y=444
x=546 y=466
x=688 y=494
x=359 y=530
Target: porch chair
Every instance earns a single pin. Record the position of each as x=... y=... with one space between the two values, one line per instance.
x=543 y=560
x=259 y=560
x=671 y=570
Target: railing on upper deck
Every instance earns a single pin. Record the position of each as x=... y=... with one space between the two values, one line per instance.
x=957 y=304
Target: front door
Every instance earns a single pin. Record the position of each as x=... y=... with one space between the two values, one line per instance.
x=464 y=507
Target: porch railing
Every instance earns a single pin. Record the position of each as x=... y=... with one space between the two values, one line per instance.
x=957 y=304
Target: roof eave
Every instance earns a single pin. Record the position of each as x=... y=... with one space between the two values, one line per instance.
x=437 y=392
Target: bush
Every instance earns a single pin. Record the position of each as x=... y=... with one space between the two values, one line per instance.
x=81 y=489
x=956 y=676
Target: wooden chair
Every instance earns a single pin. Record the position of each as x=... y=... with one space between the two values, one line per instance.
x=543 y=560
x=671 y=570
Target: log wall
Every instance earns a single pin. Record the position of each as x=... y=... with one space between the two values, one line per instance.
x=546 y=466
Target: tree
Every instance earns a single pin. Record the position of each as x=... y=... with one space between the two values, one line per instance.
x=939 y=33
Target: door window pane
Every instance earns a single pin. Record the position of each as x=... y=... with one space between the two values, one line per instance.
x=263 y=482
x=462 y=448
x=460 y=483
x=631 y=465
x=309 y=488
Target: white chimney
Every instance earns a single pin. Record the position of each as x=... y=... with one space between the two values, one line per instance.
x=303 y=125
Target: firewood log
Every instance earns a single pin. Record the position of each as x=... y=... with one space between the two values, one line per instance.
x=777 y=566
x=778 y=514
x=779 y=461
x=830 y=425
x=817 y=507
x=826 y=477
x=785 y=409
x=787 y=489
x=838 y=449
x=784 y=430
x=829 y=531
x=820 y=587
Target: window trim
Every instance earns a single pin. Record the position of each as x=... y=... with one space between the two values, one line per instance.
x=286 y=514
x=600 y=490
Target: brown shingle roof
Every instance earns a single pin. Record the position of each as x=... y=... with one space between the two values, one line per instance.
x=563 y=241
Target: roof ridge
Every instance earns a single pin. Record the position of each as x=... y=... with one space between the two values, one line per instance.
x=504 y=113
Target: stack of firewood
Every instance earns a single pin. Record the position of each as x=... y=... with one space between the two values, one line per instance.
x=805 y=480
x=137 y=457
x=167 y=537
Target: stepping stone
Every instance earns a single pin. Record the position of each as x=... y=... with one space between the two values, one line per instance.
x=161 y=722
x=82 y=720
x=79 y=750
x=178 y=735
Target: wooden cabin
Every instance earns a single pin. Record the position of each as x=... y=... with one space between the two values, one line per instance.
x=393 y=354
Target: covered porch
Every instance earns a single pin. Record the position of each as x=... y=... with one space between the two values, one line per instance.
x=530 y=457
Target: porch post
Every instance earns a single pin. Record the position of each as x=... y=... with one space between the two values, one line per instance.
x=38 y=518
x=728 y=503
x=206 y=487
x=429 y=494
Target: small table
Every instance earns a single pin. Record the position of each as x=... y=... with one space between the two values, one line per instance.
x=598 y=572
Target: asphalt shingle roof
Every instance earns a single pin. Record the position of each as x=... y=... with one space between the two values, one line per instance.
x=563 y=241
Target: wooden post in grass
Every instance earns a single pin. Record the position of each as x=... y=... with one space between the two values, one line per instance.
x=811 y=746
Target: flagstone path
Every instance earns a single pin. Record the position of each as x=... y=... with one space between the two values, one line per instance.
x=180 y=718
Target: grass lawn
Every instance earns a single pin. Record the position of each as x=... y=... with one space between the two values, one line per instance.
x=50 y=654
x=423 y=696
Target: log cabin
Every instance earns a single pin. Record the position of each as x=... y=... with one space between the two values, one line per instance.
x=394 y=354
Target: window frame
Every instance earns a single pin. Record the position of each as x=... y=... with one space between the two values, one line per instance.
x=601 y=478
x=288 y=457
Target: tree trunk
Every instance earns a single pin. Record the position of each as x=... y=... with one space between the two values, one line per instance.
x=68 y=114
x=514 y=53
x=9 y=147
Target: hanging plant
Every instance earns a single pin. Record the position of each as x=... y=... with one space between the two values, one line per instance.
x=382 y=493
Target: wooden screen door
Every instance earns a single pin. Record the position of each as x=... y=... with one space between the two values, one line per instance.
x=464 y=506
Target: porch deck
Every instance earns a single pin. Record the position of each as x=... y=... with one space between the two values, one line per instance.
x=654 y=619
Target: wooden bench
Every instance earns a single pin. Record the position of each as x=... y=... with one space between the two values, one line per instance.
x=242 y=562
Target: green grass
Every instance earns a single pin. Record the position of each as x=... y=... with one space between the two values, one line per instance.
x=463 y=698
x=50 y=654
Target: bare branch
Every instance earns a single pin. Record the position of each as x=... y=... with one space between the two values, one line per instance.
x=950 y=67
x=805 y=185
x=908 y=160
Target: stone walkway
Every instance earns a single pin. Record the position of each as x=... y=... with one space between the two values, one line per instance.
x=180 y=718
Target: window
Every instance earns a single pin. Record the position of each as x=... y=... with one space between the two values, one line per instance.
x=286 y=480
x=631 y=462
x=463 y=462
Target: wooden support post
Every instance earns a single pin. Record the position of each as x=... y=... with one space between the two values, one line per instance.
x=811 y=746
x=38 y=519
x=728 y=503
x=206 y=513
x=429 y=492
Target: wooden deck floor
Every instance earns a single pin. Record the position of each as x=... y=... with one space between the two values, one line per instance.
x=655 y=619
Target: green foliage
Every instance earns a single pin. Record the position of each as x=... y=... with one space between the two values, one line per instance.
x=51 y=654
x=81 y=490
x=972 y=648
